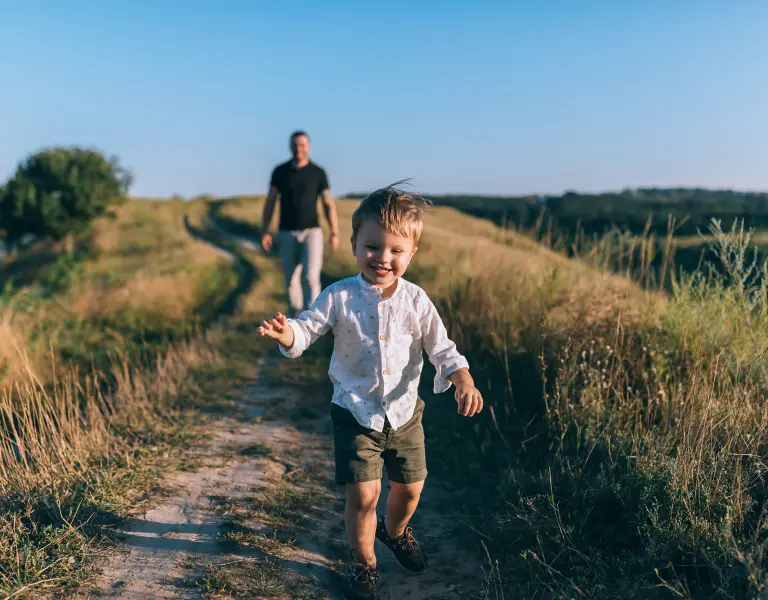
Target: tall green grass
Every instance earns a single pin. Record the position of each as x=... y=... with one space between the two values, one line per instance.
x=625 y=454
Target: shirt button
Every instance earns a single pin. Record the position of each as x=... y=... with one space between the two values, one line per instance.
x=383 y=404
x=382 y=337
x=386 y=372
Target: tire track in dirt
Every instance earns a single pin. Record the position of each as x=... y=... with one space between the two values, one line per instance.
x=176 y=549
x=246 y=273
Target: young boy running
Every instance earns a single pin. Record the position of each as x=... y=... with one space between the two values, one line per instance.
x=381 y=323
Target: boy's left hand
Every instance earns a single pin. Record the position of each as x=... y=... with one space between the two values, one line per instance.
x=469 y=399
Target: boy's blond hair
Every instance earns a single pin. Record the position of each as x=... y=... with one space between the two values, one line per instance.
x=396 y=210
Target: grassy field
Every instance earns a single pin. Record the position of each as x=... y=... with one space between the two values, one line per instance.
x=132 y=284
x=652 y=257
x=621 y=454
x=104 y=352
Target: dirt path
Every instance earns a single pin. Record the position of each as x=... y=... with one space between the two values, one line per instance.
x=260 y=517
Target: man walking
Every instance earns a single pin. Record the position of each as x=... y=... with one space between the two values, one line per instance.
x=299 y=182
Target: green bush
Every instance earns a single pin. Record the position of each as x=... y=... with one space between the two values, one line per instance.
x=57 y=192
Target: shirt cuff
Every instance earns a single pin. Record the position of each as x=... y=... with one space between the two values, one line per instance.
x=297 y=348
x=442 y=383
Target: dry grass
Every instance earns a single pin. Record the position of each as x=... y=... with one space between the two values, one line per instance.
x=623 y=453
x=77 y=454
x=140 y=276
x=103 y=355
x=240 y=578
x=633 y=431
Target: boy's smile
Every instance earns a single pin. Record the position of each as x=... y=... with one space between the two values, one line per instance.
x=382 y=256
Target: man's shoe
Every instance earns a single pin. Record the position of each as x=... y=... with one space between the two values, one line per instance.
x=405 y=548
x=362 y=580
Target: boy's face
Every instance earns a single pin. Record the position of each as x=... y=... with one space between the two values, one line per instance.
x=382 y=256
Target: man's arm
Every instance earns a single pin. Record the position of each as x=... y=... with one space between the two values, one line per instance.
x=329 y=207
x=266 y=218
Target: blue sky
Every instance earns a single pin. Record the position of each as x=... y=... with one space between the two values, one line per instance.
x=509 y=97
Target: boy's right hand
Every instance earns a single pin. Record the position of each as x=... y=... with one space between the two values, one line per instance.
x=278 y=329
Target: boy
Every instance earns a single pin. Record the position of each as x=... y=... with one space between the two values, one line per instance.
x=381 y=323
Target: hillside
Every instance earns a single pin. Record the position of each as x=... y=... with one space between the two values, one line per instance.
x=620 y=455
x=634 y=210
x=646 y=234
x=130 y=283
x=600 y=468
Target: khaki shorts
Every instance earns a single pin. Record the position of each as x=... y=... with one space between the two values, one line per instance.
x=360 y=453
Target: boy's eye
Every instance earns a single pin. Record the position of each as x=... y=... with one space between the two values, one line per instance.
x=397 y=251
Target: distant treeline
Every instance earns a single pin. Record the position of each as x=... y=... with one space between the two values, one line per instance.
x=630 y=210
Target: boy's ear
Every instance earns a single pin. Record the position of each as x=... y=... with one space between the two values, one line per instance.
x=352 y=241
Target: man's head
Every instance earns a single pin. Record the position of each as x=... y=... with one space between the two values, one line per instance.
x=300 y=146
x=386 y=227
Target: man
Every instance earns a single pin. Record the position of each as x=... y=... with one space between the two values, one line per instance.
x=299 y=182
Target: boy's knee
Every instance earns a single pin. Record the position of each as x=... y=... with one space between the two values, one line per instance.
x=408 y=491
x=364 y=496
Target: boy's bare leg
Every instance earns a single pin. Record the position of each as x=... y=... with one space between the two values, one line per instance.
x=360 y=517
x=401 y=504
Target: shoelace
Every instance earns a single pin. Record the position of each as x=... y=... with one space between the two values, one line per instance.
x=407 y=541
x=364 y=573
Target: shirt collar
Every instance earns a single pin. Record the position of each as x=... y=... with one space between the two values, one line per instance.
x=368 y=287
x=295 y=168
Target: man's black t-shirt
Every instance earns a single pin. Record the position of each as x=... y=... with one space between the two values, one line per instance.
x=299 y=189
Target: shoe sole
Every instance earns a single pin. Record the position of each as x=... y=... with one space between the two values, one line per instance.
x=399 y=564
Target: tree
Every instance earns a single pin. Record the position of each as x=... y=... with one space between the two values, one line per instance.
x=57 y=192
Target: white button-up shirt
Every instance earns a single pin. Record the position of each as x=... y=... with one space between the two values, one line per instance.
x=378 y=343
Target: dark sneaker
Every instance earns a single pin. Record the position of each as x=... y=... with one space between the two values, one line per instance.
x=362 y=580
x=405 y=548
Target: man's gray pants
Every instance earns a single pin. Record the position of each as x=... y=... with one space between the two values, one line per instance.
x=301 y=253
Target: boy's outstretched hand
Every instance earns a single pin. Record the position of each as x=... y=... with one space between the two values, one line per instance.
x=468 y=397
x=278 y=329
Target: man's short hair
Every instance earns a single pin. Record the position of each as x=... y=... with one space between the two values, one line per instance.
x=299 y=133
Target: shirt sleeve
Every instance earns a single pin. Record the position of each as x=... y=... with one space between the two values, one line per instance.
x=442 y=352
x=311 y=324
x=323 y=184
x=274 y=179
